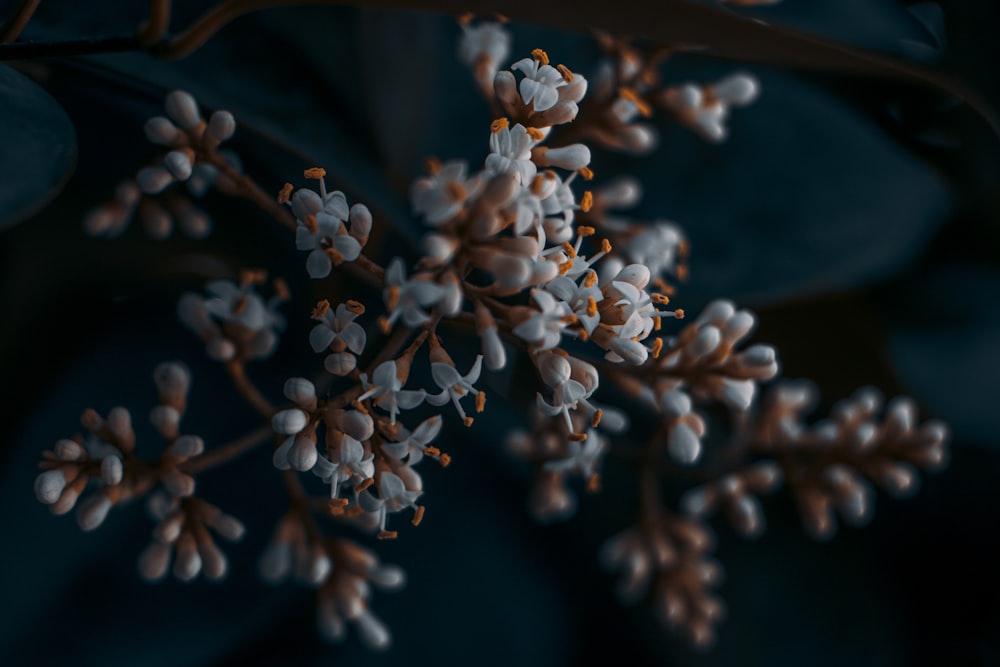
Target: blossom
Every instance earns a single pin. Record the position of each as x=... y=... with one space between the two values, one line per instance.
x=510 y=151
x=349 y=461
x=338 y=331
x=454 y=386
x=705 y=109
x=482 y=48
x=655 y=247
x=544 y=328
x=406 y=299
x=541 y=83
x=414 y=444
x=583 y=457
x=581 y=299
x=237 y=304
x=440 y=196
x=393 y=496
x=386 y=388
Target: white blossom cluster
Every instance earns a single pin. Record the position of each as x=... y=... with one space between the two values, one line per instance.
x=235 y=322
x=188 y=139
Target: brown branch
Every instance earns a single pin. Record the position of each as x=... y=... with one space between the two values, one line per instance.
x=227 y=452
x=249 y=391
x=18 y=20
x=155 y=27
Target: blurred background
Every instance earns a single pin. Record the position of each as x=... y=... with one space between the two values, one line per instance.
x=858 y=218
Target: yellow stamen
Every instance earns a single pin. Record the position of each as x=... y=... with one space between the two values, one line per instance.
x=587 y=173
x=591 y=306
x=566 y=74
x=584 y=231
x=657 y=323
x=587 y=201
x=387 y=535
x=605 y=246
x=499 y=125
x=445 y=460
x=334 y=256
x=240 y=305
x=565 y=267
x=591 y=279
x=569 y=249
x=595 y=421
x=321 y=309
x=657 y=347
x=281 y=289
x=383 y=324
x=315 y=172
x=594 y=483
x=577 y=437
x=468 y=422
x=418 y=515
x=363 y=486
x=432 y=451
x=355 y=307
x=480 y=401
x=285 y=194
x=455 y=191
x=660 y=299
x=311 y=224
x=679 y=313
x=535 y=133
x=682 y=272
x=393 y=299
x=540 y=56
x=628 y=94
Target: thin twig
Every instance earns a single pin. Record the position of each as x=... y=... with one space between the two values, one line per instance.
x=18 y=20
x=155 y=27
x=249 y=391
x=228 y=452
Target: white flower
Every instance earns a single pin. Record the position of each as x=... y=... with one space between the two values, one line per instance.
x=241 y=305
x=440 y=196
x=349 y=462
x=454 y=386
x=567 y=393
x=583 y=457
x=582 y=300
x=407 y=299
x=510 y=151
x=393 y=497
x=655 y=247
x=540 y=85
x=386 y=388
x=706 y=109
x=338 y=325
x=482 y=48
x=544 y=328
x=414 y=444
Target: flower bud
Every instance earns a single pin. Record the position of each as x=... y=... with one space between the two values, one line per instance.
x=356 y=424
x=49 y=486
x=112 y=470
x=289 y=422
x=182 y=108
x=154 y=561
x=573 y=157
x=178 y=163
x=221 y=126
x=300 y=391
x=160 y=130
x=187 y=446
x=92 y=512
x=153 y=180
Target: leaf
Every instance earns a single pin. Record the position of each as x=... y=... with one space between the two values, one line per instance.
x=39 y=147
x=944 y=347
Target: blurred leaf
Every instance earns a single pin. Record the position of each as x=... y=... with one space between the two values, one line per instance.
x=39 y=147
x=945 y=349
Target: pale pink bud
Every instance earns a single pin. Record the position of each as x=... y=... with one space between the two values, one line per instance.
x=356 y=424
x=683 y=444
x=154 y=561
x=187 y=446
x=573 y=157
x=361 y=223
x=69 y=450
x=112 y=470
x=340 y=363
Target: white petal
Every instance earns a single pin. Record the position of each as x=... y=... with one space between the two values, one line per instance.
x=320 y=337
x=318 y=264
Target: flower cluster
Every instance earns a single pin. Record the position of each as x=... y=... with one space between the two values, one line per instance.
x=192 y=157
x=520 y=253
